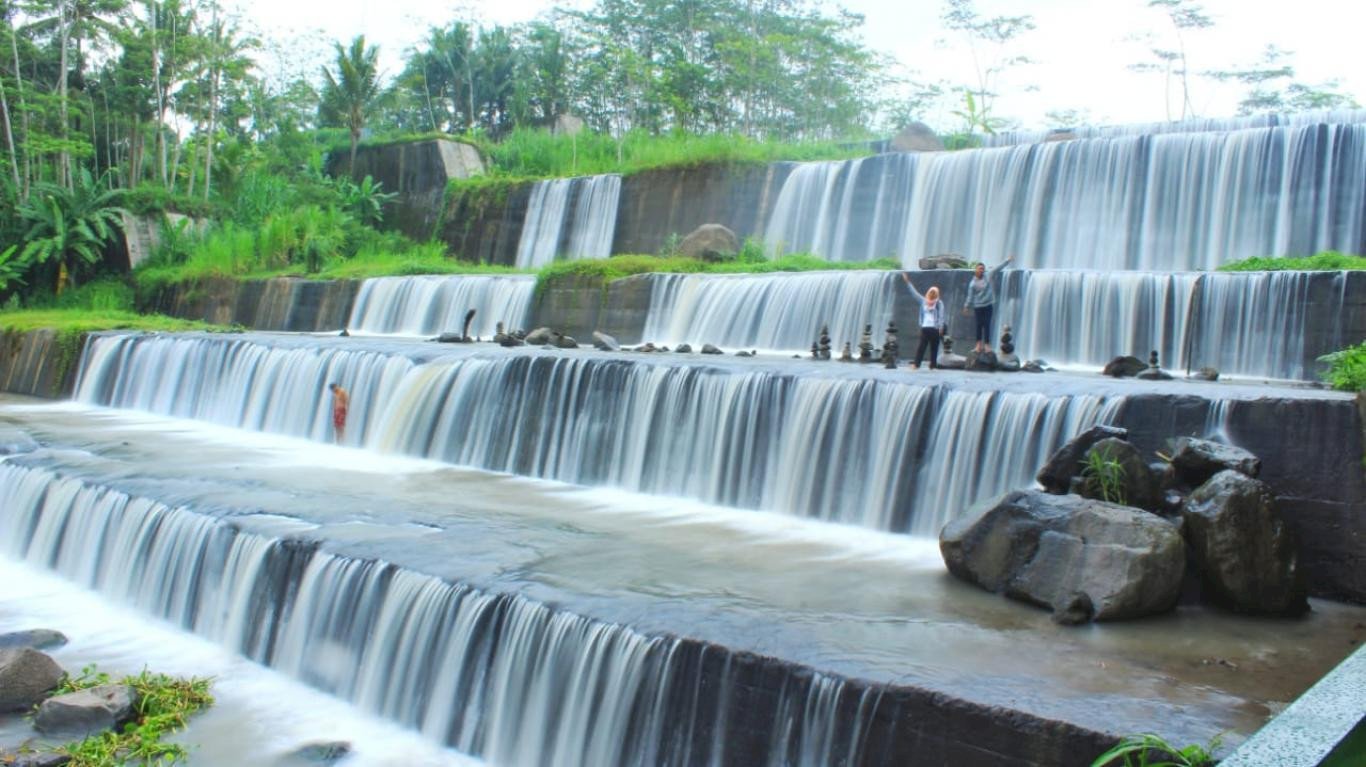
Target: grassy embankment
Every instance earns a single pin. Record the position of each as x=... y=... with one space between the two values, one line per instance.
x=1327 y=261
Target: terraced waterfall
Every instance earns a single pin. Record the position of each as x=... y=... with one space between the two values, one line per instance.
x=581 y=558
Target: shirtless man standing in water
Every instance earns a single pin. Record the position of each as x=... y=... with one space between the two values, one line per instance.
x=340 y=402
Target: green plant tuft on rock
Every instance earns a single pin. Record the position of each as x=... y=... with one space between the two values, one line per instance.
x=1104 y=476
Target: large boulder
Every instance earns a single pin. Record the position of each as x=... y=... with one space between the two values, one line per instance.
x=710 y=242
x=944 y=261
x=1196 y=460
x=1247 y=556
x=26 y=678
x=604 y=342
x=539 y=336
x=1124 y=367
x=1065 y=463
x=94 y=709
x=981 y=361
x=1084 y=559
x=917 y=137
x=1134 y=481
x=37 y=639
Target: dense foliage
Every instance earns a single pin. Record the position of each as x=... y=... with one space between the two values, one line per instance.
x=1346 y=368
x=1328 y=261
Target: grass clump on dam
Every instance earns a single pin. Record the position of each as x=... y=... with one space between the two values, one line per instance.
x=1327 y=261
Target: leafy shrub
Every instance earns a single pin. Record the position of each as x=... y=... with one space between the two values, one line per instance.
x=1346 y=368
x=1104 y=476
x=1327 y=261
x=1148 y=750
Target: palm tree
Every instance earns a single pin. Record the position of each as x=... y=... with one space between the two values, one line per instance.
x=352 y=90
x=70 y=226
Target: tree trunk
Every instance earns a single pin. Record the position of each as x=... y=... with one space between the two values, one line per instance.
x=23 y=108
x=64 y=157
x=9 y=138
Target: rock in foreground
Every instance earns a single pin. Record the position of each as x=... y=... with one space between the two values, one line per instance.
x=1247 y=556
x=1196 y=460
x=37 y=639
x=1084 y=559
x=86 y=711
x=1065 y=463
x=26 y=677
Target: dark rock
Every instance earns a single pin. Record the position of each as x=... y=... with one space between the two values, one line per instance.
x=710 y=242
x=1153 y=374
x=743 y=353
x=1136 y=485
x=36 y=639
x=1206 y=374
x=1172 y=501
x=1085 y=559
x=1124 y=367
x=45 y=759
x=344 y=333
x=1035 y=366
x=1196 y=460
x=539 y=336
x=605 y=342
x=451 y=338
x=1008 y=363
x=917 y=137
x=683 y=349
x=509 y=340
x=329 y=752
x=86 y=711
x=1248 y=558
x=1065 y=463
x=26 y=677
x=981 y=361
x=709 y=349
x=952 y=362
x=944 y=261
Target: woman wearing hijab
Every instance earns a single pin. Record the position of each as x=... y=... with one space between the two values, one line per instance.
x=931 y=320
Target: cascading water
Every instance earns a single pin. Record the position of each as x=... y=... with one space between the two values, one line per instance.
x=1174 y=202
x=569 y=218
x=774 y=311
x=430 y=304
x=1087 y=318
x=493 y=675
x=1197 y=125
x=1260 y=324
x=853 y=450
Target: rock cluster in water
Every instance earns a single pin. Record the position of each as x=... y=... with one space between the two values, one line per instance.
x=1111 y=537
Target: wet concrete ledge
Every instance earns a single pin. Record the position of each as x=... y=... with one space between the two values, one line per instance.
x=1325 y=727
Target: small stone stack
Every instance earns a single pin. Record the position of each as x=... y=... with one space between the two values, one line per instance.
x=889 y=346
x=865 y=345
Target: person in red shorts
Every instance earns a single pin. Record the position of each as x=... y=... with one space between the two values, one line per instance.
x=340 y=402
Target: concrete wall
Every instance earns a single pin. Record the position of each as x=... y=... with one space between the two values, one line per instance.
x=39 y=363
x=284 y=303
x=659 y=204
x=418 y=171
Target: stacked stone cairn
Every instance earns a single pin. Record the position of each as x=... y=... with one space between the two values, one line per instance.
x=1111 y=537
x=865 y=345
x=1154 y=371
x=890 y=346
x=1007 y=361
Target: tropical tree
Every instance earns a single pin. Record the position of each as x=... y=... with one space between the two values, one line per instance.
x=70 y=226
x=351 y=91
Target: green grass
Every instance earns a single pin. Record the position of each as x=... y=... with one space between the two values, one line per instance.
x=165 y=705
x=88 y=321
x=527 y=153
x=1328 y=261
x=1346 y=368
x=617 y=267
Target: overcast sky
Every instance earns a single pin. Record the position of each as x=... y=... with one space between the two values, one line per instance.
x=1083 y=48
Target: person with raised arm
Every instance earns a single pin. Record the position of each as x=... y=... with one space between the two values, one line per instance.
x=981 y=301
x=931 y=321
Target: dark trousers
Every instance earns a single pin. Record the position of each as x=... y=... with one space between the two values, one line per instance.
x=928 y=337
x=984 y=323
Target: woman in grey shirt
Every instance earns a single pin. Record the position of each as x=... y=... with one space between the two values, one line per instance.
x=982 y=301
